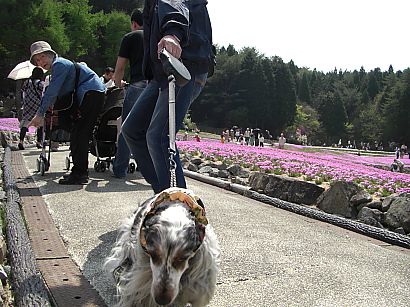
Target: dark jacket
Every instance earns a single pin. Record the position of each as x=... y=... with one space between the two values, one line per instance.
x=186 y=19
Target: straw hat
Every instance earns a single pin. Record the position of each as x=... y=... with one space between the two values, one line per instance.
x=39 y=47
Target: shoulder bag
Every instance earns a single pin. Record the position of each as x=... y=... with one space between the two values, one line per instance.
x=68 y=100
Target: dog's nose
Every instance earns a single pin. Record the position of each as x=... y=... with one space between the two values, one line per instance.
x=163 y=299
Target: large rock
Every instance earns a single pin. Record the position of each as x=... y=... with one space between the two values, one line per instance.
x=336 y=200
x=191 y=167
x=258 y=181
x=234 y=169
x=398 y=214
x=387 y=202
x=205 y=169
x=289 y=189
x=196 y=160
x=371 y=217
x=360 y=198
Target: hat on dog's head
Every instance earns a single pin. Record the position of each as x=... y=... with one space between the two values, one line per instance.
x=39 y=47
x=185 y=196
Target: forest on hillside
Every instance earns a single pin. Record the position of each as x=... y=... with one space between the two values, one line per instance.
x=252 y=90
x=248 y=89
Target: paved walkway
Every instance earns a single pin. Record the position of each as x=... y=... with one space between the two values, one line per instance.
x=270 y=257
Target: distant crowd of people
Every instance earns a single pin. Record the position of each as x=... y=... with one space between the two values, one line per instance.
x=250 y=137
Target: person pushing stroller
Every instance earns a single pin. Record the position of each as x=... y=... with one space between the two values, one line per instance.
x=89 y=96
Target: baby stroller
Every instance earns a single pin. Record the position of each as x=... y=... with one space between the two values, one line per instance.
x=104 y=138
x=52 y=132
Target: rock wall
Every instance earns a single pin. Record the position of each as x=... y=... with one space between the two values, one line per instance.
x=342 y=198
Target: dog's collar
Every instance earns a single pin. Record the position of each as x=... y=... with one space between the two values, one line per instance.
x=185 y=196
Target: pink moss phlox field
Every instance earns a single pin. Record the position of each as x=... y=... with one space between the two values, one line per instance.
x=318 y=167
x=12 y=124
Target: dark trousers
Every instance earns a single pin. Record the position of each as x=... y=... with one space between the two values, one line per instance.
x=81 y=131
x=23 y=132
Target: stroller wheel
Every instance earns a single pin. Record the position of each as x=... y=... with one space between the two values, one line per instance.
x=46 y=164
x=131 y=168
x=42 y=167
x=103 y=167
x=97 y=166
x=67 y=163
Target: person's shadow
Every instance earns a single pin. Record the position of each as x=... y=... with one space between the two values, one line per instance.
x=93 y=268
x=98 y=182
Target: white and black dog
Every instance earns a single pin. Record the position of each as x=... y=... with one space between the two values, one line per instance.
x=166 y=254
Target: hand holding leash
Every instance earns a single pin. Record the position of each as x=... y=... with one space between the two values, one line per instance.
x=171 y=44
x=174 y=67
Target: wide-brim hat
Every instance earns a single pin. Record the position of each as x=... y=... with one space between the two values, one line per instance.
x=39 y=47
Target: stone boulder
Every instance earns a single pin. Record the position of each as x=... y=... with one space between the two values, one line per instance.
x=371 y=217
x=196 y=160
x=205 y=169
x=191 y=167
x=336 y=200
x=258 y=181
x=398 y=214
x=288 y=189
x=387 y=202
x=362 y=197
x=234 y=169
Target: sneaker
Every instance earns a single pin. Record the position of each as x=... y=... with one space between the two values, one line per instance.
x=73 y=180
x=20 y=146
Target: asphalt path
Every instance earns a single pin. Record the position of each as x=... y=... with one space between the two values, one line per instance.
x=270 y=257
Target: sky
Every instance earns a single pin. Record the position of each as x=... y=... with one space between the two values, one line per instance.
x=321 y=34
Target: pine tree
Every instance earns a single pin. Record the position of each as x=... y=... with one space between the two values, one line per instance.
x=304 y=89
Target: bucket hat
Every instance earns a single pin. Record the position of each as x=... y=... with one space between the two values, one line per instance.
x=39 y=47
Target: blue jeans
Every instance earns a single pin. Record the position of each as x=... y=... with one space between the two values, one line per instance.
x=122 y=157
x=146 y=130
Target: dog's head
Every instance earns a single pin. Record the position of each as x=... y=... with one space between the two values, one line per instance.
x=171 y=234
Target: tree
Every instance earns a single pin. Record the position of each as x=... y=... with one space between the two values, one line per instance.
x=284 y=96
x=109 y=40
x=47 y=24
x=304 y=89
x=15 y=33
x=307 y=121
x=367 y=125
x=372 y=86
x=396 y=111
x=109 y=6
x=332 y=115
x=81 y=28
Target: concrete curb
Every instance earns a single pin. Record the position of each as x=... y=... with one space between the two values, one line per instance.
x=371 y=231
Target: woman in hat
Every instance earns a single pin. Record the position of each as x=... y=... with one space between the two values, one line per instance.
x=90 y=97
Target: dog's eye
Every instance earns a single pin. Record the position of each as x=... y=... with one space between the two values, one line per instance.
x=179 y=262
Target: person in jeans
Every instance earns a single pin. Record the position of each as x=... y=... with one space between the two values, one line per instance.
x=183 y=28
x=90 y=99
x=132 y=51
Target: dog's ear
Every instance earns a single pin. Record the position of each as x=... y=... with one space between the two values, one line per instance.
x=200 y=230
